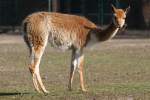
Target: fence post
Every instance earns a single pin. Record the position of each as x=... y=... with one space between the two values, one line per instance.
x=49 y=5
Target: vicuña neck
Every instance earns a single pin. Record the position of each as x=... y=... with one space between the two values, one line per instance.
x=106 y=34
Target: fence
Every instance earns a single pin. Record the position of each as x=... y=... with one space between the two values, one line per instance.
x=12 y=12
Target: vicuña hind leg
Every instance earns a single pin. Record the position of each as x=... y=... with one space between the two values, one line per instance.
x=34 y=68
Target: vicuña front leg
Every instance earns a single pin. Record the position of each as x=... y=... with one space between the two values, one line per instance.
x=34 y=68
x=77 y=61
x=80 y=70
x=72 y=69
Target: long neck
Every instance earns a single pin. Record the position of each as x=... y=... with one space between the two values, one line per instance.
x=107 y=33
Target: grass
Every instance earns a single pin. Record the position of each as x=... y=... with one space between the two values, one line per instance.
x=113 y=71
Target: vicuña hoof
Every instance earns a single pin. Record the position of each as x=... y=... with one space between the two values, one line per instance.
x=46 y=92
x=84 y=90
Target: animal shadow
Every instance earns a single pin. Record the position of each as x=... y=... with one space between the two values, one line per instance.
x=12 y=93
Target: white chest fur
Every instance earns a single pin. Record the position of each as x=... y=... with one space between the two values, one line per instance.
x=114 y=33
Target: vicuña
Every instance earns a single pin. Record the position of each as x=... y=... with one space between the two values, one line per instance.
x=65 y=31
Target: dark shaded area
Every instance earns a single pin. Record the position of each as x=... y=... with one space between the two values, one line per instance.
x=98 y=11
x=10 y=11
x=11 y=93
x=14 y=11
x=136 y=19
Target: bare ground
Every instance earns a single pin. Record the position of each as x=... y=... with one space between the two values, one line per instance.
x=114 y=43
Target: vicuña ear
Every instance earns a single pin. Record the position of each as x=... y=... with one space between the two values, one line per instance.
x=113 y=8
x=127 y=10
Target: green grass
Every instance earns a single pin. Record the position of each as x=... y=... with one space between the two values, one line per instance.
x=111 y=73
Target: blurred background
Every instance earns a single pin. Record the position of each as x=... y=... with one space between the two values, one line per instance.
x=12 y=12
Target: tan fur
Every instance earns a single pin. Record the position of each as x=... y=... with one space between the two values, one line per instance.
x=65 y=32
x=80 y=69
x=62 y=27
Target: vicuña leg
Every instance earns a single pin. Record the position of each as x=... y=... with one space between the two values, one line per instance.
x=72 y=69
x=77 y=61
x=80 y=70
x=36 y=55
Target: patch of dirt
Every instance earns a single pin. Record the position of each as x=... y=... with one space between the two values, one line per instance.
x=10 y=39
x=113 y=43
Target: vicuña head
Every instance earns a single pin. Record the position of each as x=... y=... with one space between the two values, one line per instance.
x=66 y=32
x=118 y=21
x=119 y=16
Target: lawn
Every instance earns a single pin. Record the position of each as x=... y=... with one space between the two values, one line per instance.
x=115 y=70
